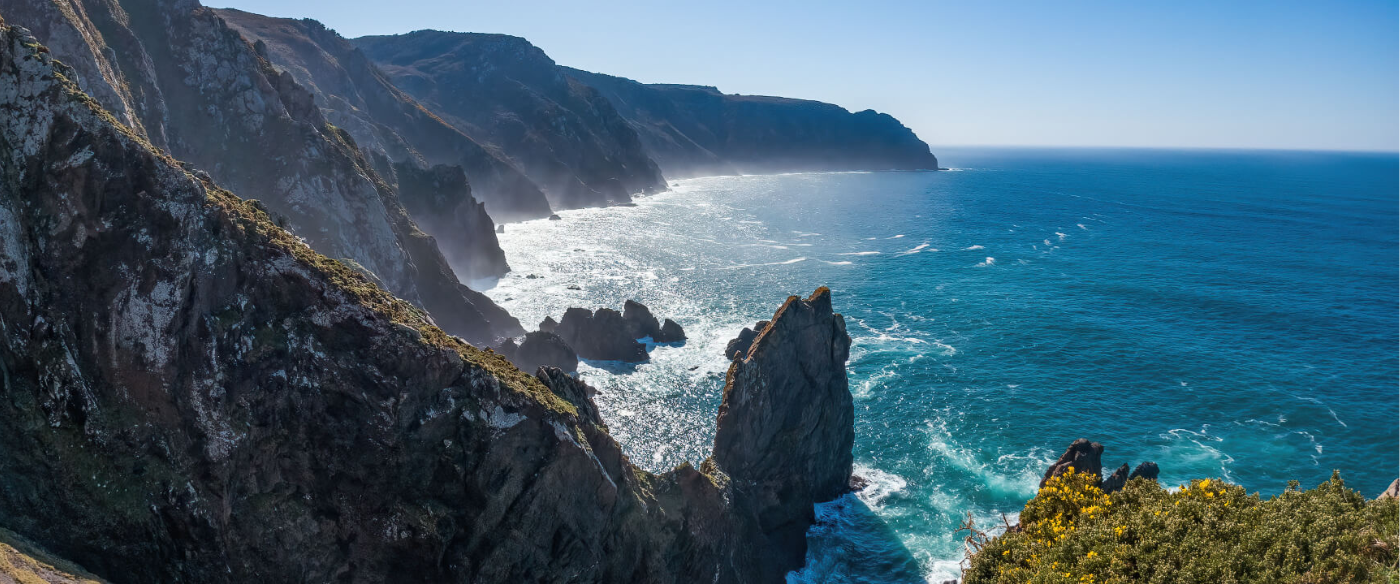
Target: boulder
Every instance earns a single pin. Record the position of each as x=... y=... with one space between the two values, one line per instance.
x=784 y=431
x=671 y=332
x=1391 y=492
x=1084 y=456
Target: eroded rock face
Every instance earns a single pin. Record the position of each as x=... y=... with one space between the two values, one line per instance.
x=357 y=96
x=504 y=91
x=641 y=323
x=194 y=87
x=739 y=346
x=191 y=394
x=785 y=426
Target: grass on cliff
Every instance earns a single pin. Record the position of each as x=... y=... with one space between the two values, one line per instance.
x=1205 y=532
x=251 y=216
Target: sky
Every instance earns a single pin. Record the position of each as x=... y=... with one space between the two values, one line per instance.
x=1237 y=74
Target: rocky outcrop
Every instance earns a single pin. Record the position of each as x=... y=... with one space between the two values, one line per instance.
x=192 y=394
x=200 y=92
x=641 y=323
x=739 y=346
x=441 y=202
x=539 y=349
x=504 y=91
x=692 y=130
x=357 y=96
x=785 y=426
x=1086 y=457
x=603 y=335
x=1391 y=492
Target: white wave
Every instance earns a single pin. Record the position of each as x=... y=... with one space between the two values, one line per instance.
x=916 y=249
x=836 y=263
x=900 y=236
x=806 y=234
x=990 y=261
x=879 y=485
x=1062 y=236
x=788 y=262
x=860 y=253
x=948 y=350
x=1081 y=226
x=973 y=247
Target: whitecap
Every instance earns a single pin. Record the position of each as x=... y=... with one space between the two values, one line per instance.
x=896 y=237
x=990 y=261
x=879 y=485
x=914 y=250
x=860 y=253
x=973 y=247
x=1081 y=226
x=836 y=263
x=1062 y=236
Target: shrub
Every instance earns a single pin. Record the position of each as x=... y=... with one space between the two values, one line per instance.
x=1208 y=531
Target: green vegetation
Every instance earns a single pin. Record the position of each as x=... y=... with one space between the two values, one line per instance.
x=25 y=563
x=1206 y=532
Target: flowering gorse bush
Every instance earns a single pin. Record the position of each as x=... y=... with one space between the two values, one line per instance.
x=1205 y=532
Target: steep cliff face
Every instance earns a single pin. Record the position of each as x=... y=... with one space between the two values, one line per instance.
x=692 y=130
x=199 y=91
x=505 y=91
x=190 y=393
x=355 y=95
x=786 y=422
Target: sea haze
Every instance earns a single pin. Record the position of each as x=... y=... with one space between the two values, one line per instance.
x=1225 y=314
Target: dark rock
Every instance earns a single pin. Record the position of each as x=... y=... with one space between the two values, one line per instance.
x=670 y=332
x=555 y=218
x=739 y=346
x=1146 y=470
x=548 y=324
x=573 y=287
x=532 y=277
x=858 y=483
x=641 y=323
x=1116 y=481
x=500 y=229
x=1084 y=456
x=542 y=348
x=602 y=335
x=784 y=431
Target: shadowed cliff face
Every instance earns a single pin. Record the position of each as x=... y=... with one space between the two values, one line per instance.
x=505 y=91
x=192 y=394
x=696 y=131
x=195 y=88
x=356 y=95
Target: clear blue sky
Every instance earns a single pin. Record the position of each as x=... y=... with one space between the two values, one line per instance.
x=1232 y=74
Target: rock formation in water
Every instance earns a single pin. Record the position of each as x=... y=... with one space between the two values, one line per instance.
x=539 y=349
x=642 y=323
x=602 y=334
x=1086 y=457
x=739 y=346
x=786 y=423
x=190 y=85
x=504 y=91
x=192 y=394
x=357 y=96
x=691 y=130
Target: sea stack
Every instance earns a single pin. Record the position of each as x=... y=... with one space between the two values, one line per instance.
x=785 y=426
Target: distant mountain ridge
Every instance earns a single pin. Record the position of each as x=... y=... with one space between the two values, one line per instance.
x=695 y=130
x=503 y=90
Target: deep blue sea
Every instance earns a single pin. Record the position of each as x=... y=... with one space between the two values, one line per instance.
x=1226 y=314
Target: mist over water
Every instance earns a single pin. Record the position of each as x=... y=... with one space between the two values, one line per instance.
x=1225 y=314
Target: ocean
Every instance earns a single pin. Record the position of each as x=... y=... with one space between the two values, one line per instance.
x=1227 y=314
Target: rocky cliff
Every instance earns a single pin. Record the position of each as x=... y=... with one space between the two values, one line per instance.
x=190 y=393
x=502 y=90
x=357 y=96
x=191 y=86
x=692 y=130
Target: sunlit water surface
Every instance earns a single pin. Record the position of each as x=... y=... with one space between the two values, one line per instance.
x=1225 y=314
